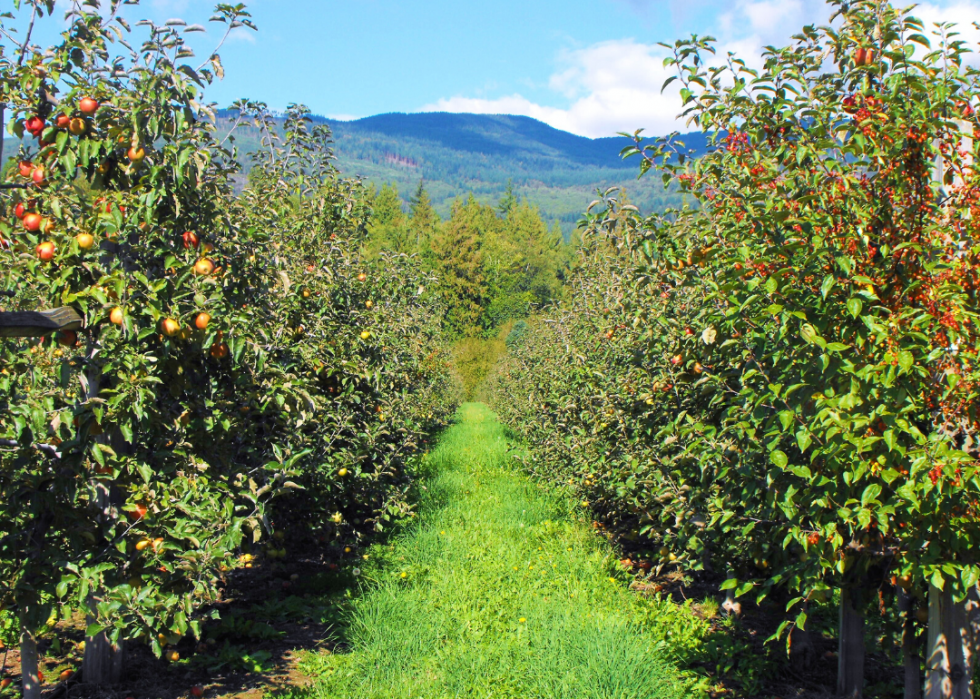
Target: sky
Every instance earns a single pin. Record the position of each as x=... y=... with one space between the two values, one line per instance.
x=591 y=67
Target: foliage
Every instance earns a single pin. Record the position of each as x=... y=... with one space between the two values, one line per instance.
x=234 y=350
x=778 y=386
x=492 y=265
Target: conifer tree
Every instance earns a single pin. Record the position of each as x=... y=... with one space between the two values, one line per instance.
x=423 y=224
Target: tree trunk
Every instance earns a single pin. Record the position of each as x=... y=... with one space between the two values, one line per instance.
x=910 y=648
x=949 y=665
x=102 y=663
x=801 y=650
x=28 y=663
x=850 y=658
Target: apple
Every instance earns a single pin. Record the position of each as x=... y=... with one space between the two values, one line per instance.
x=38 y=176
x=67 y=338
x=62 y=121
x=85 y=240
x=369 y=305
x=366 y=335
x=965 y=109
x=203 y=267
x=362 y=277
x=190 y=239
x=25 y=168
x=307 y=293
x=77 y=126
x=5 y=682
x=20 y=210
x=88 y=106
x=116 y=316
x=66 y=675
x=342 y=472
x=676 y=359
x=202 y=320
x=35 y=125
x=136 y=154
x=169 y=327
x=139 y=512
x=32 y=222
x=219 y=350
x=197 y=691
x=45 y=251
x=173 y=656
x=864 y=57
x=208 y=248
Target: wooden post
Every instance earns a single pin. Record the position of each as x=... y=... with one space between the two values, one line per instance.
x=38 y=323
x=910 y=650
x=103 y=661
x=949 y=664
x=850 y=658
x=28 y=661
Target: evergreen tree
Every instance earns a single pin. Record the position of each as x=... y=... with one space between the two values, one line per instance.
x=457 y=251
x=388 y=229
x=423 y=223
x=509 y=200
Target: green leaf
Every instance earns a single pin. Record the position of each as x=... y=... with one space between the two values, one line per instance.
x=828 y=284
x=889 y=438
x=854 y=306
x=779 y=458
x=870 y=494
x=905 y=360
x=786 y=418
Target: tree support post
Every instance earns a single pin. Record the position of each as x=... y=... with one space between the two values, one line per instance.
x=911 y=661
x=103 y=660
x=850 y=657
x=30 y=679
x=951 y=647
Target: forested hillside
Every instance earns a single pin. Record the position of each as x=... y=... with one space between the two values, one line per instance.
x=462 y=154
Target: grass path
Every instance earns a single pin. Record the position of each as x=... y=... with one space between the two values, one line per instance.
x=498 y=590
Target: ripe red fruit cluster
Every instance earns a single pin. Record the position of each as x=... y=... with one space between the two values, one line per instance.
x=864 y=56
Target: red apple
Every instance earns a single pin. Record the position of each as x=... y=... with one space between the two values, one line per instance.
x=32 y=222
x=88 y=106
x=45 y=251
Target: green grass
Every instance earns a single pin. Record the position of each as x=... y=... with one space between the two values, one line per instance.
x=500 y=590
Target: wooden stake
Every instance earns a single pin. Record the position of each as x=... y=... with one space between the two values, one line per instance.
x=29 y=663
x=850 y=658
x=910 y=648
x=949 y=664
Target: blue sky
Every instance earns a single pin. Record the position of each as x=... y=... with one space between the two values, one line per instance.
x=587 y=66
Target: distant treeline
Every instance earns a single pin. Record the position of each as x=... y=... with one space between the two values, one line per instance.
x=494 y=264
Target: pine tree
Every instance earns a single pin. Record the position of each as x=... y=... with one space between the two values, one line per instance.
x=388 y=229
x=457 y=251
x=423 y=223
x=509 y=200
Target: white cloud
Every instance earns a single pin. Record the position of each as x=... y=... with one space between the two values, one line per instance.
x=615 y=85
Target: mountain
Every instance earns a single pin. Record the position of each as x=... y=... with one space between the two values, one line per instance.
x=457 y=154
